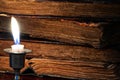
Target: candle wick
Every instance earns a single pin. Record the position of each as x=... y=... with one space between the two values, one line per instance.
x=17 y=44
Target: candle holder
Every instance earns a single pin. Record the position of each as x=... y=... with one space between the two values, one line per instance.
x=17 y=60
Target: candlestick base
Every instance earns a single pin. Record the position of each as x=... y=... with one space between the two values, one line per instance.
x=17 y=60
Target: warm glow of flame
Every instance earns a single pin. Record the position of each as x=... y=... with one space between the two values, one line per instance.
x=15 y=30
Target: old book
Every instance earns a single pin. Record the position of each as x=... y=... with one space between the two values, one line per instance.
x=55 y=8
x=64 y=52
x=67 y=31
x=65 y=69
x=72 y=69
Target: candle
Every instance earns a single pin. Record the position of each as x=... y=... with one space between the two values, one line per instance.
x=17 y=47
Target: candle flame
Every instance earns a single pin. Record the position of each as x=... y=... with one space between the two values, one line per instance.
x=15 y=30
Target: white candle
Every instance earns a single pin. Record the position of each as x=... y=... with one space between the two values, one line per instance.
x=17 y=48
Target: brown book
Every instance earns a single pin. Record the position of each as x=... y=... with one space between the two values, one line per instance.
x=64 y=52
x=97 y=35
x=65 y=68
x=54 y=8
x=72 y=69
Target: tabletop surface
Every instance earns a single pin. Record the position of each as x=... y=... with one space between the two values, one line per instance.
x=8 y=76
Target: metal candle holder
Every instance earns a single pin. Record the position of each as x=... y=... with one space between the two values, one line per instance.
x=17 y=60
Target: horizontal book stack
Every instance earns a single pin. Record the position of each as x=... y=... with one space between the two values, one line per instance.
x=69 y=39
